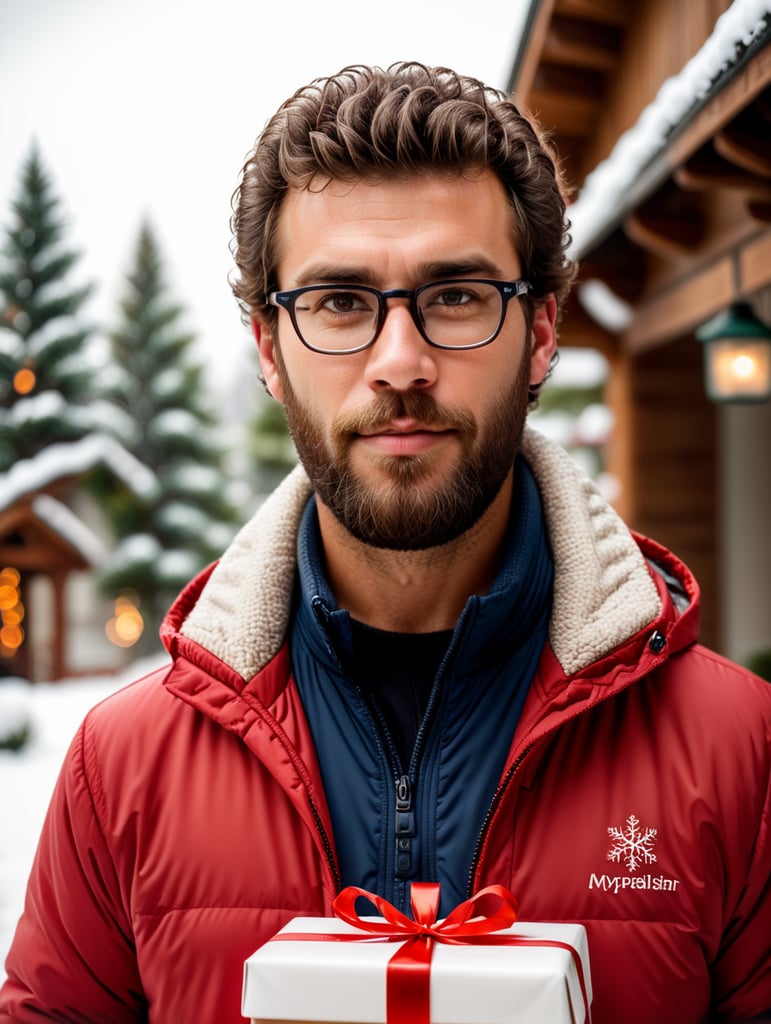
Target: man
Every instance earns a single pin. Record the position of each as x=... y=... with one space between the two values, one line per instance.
x=435 y=653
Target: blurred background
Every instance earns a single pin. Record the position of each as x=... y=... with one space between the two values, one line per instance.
x=135 y=437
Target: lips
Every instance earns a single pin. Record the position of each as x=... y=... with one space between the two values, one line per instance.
x=403 y=440
x=403 y=422
x=403 y=427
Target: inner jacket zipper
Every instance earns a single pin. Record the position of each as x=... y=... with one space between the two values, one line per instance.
x=404 y=814
x=405 y=784
x=404 y=827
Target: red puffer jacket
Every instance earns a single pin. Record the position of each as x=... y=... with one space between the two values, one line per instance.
x=189 y=822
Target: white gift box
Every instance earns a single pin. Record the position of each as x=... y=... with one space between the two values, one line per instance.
x=345 y=982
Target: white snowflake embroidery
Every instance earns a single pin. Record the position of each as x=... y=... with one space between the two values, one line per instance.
x=632 y=844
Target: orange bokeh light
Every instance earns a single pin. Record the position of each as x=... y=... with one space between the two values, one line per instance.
x=11 y=612
x=11 y=637
x=24 y=381
x=127 y=626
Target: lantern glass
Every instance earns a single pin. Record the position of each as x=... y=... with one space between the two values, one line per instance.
x=737 y=356
x=739 y=369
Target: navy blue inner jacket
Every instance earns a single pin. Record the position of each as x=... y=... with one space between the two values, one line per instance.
x=394 y=823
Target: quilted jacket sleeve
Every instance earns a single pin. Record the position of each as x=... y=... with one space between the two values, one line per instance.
x=72 y=958
x=741 y=973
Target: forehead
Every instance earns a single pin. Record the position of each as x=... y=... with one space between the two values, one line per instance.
x=391 y=231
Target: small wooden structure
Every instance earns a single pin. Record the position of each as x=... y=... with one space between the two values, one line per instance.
x=48 y=531
x=29 y=544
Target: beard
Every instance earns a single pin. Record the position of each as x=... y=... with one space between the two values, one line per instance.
x=401 y=511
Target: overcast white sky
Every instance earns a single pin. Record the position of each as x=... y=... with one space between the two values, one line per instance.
x=148 y=108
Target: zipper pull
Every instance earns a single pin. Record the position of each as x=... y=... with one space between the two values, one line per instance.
x=404 y=827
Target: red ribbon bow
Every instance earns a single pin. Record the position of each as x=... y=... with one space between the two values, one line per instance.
x=409 y=970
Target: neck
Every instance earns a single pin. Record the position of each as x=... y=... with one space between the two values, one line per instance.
x=414 y=591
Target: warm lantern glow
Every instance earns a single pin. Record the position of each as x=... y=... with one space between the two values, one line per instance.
x=737 y=356
x=744 y=368
x=24 y=381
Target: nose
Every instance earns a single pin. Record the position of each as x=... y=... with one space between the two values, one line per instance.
x=400 y=359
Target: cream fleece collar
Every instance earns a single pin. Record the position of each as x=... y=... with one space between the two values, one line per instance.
x=603 y=591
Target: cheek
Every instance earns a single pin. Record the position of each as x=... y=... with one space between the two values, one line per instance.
x=329 y=386
x=506 y=375
x=313 y=401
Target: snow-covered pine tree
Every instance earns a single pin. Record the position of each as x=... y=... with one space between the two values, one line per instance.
x=269 y=447
x=48 y=373
x=157 y=384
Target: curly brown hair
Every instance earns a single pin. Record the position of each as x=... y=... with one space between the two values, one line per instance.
x=366 y=123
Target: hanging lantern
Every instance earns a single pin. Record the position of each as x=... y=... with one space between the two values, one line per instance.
x=737 y=356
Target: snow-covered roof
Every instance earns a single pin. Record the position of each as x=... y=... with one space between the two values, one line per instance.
x=75 y=458
x=617 y=185
x=70 y=528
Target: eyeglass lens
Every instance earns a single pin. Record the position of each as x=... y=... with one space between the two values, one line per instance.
x=451 y=314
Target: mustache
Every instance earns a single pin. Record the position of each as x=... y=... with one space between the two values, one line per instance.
x=414 y=405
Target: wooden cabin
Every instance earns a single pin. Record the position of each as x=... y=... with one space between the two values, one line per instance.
x=53 y=540
x=661 y=113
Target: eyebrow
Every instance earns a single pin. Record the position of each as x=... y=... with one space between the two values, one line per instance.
x=468 y=265
x=471 y=265
x=325 y=273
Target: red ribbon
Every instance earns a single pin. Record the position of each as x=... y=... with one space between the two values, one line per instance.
x=409 y=969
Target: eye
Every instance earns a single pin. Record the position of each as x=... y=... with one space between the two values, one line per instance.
x=454 y=296
x=444 y=297
x=345 y=301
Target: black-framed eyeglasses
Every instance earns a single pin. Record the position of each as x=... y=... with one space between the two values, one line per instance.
x=339 y=319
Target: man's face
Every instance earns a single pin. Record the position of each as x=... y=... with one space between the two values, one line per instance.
x=405 y=444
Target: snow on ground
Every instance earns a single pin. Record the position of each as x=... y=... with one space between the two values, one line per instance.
x=27 y=778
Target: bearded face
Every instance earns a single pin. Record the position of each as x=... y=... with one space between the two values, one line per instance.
x=407 y=505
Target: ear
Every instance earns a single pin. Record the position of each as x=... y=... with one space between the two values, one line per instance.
x=543 y=339
x=266 y=346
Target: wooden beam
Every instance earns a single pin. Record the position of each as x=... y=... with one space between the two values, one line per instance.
x=535 y=44
x=40 y=549
x=609 y=12
x=681 y=309
x=580 y=113
x=759 y=210
x=23 y=559
x=746 y=148
x=707 y=171
x=763 y=104
x=755 y=264
x=551 y=108
x=668 y=235
x=13 y=516
x=569 y=82
x=582 y=44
